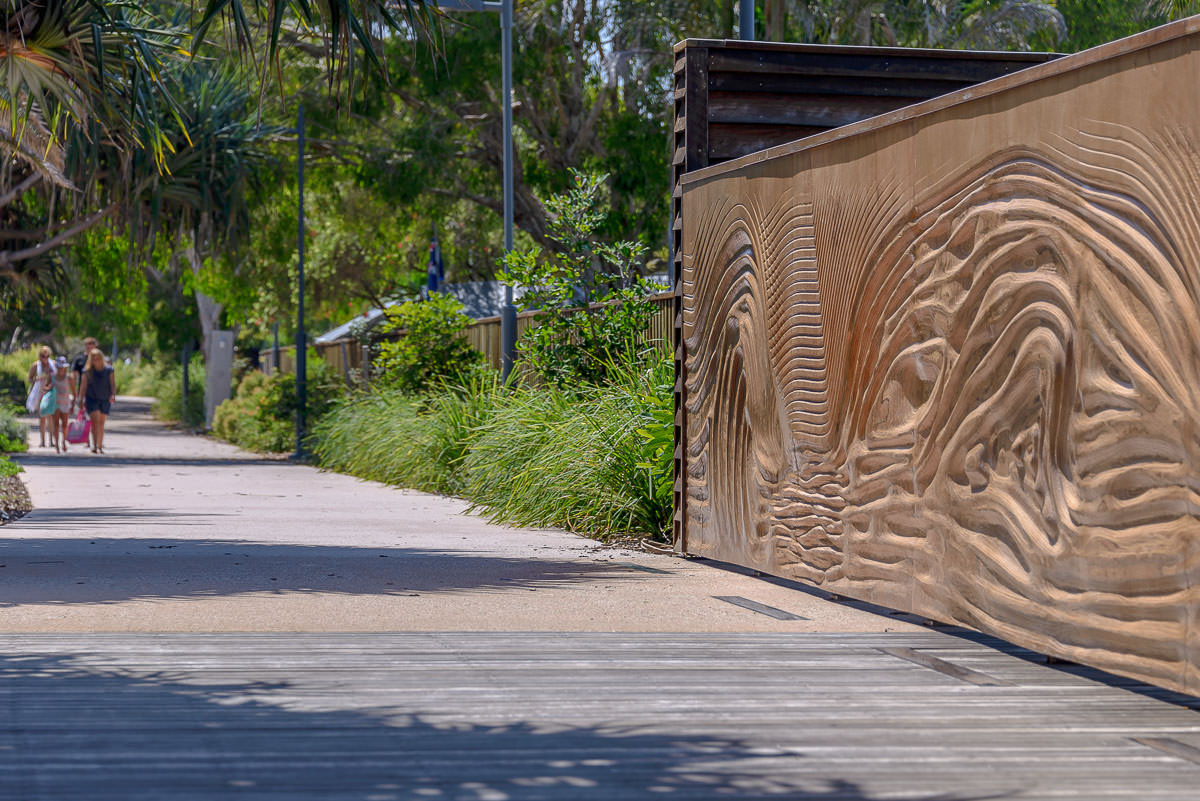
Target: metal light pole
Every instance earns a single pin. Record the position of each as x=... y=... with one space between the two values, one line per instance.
x=508 y=314
x=301 y=356
x=746 y=19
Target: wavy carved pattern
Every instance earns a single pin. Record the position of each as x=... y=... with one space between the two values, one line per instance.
x=979 y=400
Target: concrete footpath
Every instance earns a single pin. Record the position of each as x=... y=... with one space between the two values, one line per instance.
x=182 y=621
x=172 y=532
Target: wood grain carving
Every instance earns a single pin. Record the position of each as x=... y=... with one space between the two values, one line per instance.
x=950 y=363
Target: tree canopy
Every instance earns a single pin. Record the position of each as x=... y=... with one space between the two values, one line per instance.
x=149 y=185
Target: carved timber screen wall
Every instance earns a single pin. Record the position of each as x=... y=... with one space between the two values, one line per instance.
x=948 y=359
x=733 y=98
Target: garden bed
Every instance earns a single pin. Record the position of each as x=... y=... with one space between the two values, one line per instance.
x=14 y=499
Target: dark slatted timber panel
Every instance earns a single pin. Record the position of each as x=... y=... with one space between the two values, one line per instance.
x=573 y=717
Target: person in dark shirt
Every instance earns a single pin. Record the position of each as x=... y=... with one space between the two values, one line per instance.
x=99 y=391
x=78 y=365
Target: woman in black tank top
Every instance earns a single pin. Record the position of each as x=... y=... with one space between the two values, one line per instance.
x=99 y=390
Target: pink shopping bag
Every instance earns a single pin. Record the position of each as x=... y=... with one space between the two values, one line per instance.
x=79 y=429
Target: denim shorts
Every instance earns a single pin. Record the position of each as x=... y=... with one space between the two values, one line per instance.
x=101 y=406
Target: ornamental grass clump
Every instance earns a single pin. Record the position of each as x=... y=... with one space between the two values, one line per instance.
x=596 y=460
x=412 y=441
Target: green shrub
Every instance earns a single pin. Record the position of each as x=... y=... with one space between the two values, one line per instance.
x=12 y=431
x=261 y=416
x=167 y=390
x=598 y=306
x=432 y=349
x=142 y=379
x=9 y=467
x=14 y=369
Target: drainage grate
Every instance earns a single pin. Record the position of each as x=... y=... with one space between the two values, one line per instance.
x=643 y=568
x=948 y=668
x=755 y=606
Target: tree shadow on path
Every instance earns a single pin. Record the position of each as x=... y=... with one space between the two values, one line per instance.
x=74 y=732
x=71 y=570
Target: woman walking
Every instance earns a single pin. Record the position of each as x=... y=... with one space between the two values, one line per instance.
x=41 y=376
x=62 y=412
x=99 y=390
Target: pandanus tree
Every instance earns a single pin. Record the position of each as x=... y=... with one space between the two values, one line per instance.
x=137 y=114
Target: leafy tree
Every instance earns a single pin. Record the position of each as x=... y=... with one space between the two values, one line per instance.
x=971 y=24
x=594 y=298
x=109 y=292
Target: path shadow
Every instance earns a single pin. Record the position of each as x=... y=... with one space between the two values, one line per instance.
x=109 y=570
x=75 y=733
x=112 y=462
x=76 y=518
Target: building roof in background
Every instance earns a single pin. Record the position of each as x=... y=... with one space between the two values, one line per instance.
x=369 y=317
x=479 y=299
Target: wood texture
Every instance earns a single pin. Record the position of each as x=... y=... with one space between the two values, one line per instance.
x=575 y=717
x=734 y=98
x=949 y=361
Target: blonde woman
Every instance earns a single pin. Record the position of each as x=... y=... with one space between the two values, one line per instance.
x=41 y=377
x=97 y=394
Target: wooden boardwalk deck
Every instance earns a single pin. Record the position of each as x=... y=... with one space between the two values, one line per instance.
x=500 y=717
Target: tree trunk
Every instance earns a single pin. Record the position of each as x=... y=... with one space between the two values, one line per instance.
x=774 y=18
x=208 y=309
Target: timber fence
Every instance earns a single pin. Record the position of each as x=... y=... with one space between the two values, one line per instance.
x=346 y=356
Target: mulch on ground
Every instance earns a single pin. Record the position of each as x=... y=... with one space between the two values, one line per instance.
x=14 y=499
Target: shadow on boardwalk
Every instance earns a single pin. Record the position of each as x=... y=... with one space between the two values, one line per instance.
x=74 y=732
x=100 y=570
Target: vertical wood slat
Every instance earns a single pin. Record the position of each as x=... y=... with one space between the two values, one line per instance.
x=691 y=138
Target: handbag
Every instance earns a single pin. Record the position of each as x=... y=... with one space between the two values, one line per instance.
x=79 y=429
x=49 y=403
x=33 y=400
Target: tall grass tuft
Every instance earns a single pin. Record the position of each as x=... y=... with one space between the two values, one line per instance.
x=584 y=460
x=417 y=442
x=596 y=460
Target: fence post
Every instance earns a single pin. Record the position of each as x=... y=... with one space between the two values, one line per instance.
x=365 y=367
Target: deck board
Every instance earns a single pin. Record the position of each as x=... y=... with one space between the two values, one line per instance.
x=572 y=716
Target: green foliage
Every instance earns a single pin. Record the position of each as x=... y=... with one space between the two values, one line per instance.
x=109 y=293
x=409 y=441
x=141 y=378
x=586 y=461
x=597 y=461
x=1093 y=22
x=13 y=433
x=9 y=467
x=14 y=369
x=432 y=348
x=167 y=391
x=597 y=302
x=261 y=416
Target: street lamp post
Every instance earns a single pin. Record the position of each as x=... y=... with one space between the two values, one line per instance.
x=301 y=344
x=508 y=314
x=746 y=19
